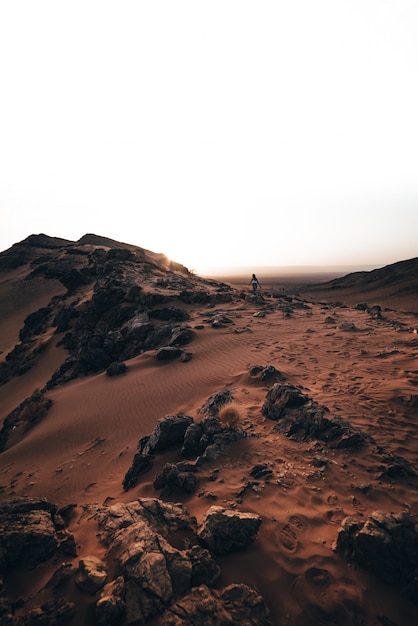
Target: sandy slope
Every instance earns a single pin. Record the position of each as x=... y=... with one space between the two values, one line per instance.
x=80 y=452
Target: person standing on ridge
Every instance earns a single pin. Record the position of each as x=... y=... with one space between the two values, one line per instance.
x=255 y=284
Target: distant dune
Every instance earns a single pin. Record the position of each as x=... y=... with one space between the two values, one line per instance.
x=394 y=285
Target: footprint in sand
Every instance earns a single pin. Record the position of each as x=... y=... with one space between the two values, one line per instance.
x=289 y=533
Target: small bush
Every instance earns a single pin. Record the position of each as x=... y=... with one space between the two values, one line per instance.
x=230 y=416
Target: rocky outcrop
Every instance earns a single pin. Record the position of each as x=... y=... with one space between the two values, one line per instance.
x=203 y=441
x=157 y=578
x=114 y=292
x=301 y=418
x=386 y=544
x=31 y=531
x=25 y=416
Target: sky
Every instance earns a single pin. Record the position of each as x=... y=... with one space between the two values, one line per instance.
x=220 y=133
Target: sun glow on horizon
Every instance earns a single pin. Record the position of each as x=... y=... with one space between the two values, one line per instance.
x=227 y=134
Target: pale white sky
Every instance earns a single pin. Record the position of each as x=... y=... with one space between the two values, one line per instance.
x=217 y=132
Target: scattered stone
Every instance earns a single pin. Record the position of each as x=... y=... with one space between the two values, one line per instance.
x=261 y=471
x=224 y=530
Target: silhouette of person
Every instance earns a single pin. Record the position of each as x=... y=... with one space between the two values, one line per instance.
x=255 y=284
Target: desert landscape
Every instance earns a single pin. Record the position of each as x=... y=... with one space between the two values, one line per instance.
x=176 y=450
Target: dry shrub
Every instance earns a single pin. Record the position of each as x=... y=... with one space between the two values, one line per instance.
x=230 y=416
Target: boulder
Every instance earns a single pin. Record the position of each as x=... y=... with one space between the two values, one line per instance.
x=267 y=373
x=141 y=464
x=180 y=336
x=168 y=432
x=116 y=368
x=30 y=533
x=235 y=604
x=182 y=475
x=192 y=441
x=91 y=574
x=111 y=604
x=224 y=530
x=386 y=544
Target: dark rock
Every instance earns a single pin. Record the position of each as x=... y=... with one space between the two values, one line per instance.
x=224 y=530
x=29 y=534
x=141 y=464
x=396 y=467
x=55 y=611
x=245 y=605
x=195 y=296
x=111 y=604
x=348 y=326
x=180 y=475
x=164 y=517
x=301 y=418
x=385 y=544
x=169 y=314
x=169 y=431
x=35 y=323
x=218 y=443
x=204 y=569
x=64 y=317
x=236 y=604
x=91 y=574
x=180 y=336
x=30 y=412
x=215 y=402
x=191 y=443
x=167 y=353
x=267 y=373
x=261 y=471
x=61 y=576
x=116 y=369
x=6 y=615
x=375 y=311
